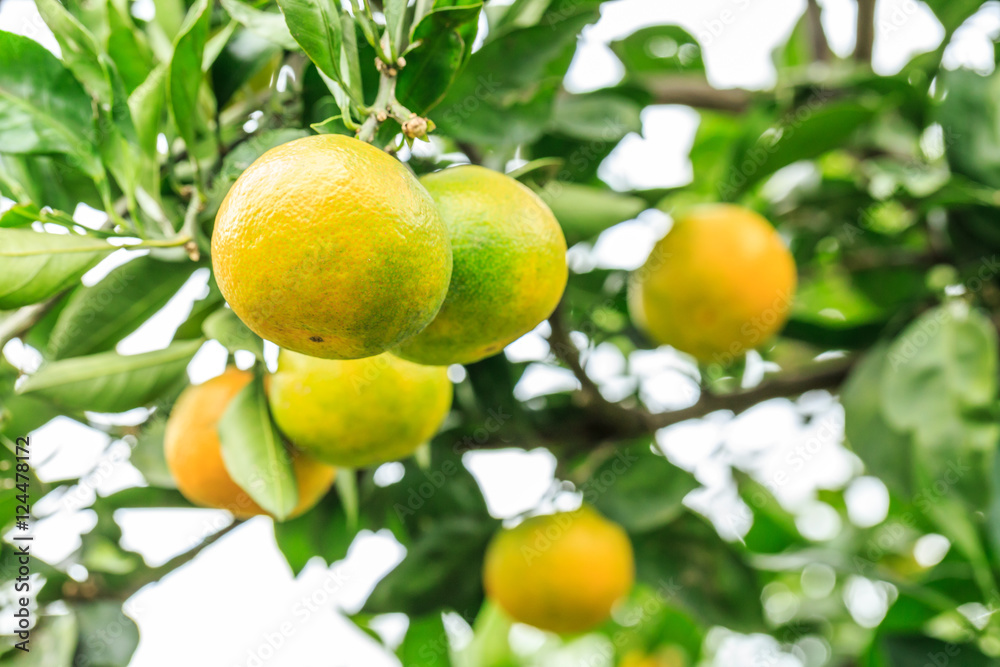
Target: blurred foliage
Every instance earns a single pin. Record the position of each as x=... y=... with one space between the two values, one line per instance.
x=885 y=186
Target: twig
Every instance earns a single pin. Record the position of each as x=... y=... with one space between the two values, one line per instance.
x=628 y=422
x=621 y=418
x=820 y=45
x=694 y=93
x=828 y=375
x=865 y=32
x=150 y=575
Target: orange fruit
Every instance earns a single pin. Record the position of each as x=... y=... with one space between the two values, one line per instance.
x=194 y=452
x=719 y=283
x=667 y=657
x=330 y=247
x=356 y=413
x=509 y=266
x=562 y=572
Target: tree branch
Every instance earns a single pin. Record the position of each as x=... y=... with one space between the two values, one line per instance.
x=91 y=589
x=695 y=93
x=627 y=422
x=820 y=45
x=866 y=31
x=622 y=419
x=826 y=375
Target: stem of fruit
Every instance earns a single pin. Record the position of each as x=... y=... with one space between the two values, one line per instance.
x=387 y=106
x=347 y=490
x=189 y=230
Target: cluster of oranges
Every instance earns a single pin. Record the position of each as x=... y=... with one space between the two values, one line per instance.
x=372 y=282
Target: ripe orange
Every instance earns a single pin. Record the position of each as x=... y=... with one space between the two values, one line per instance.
x=194 y=452
x=357 y=413
x=719 y=283
x=509 y=266
x=667 y=657
x=561 y=572
x=330 y=247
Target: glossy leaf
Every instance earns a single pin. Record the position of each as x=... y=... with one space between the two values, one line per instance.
x=35 y=265
x=97 y=317
x=441 y=44
x=43 y=109
x=110 y=382
x=269 y=25
x=323 y=532
x=440 y=572
x=315 y=25
x=425 y=644
x=255 y=453
x=584 y=212
x=224 y=326
x=638 y=488
x=105 y=619
x=184 y=75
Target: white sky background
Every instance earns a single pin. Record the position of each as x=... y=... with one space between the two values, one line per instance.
x=238 y=601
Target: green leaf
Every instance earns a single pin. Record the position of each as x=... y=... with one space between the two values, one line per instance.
x=913 y=650
x=440 y=46
x=658 y=51
x=638 y=489
x=584 y=211
x=20 y=215
x=255 y=454
x=505 y=94
x=35 y=265
x=315 y=25
x=773 y=529
x=79 y=48
x=224 y=326
x=426 y=643
x=53 y=642
x=127 y=47
x=146 y=104
x=22 y=414
x=184 y=76
x=322 y=532
x=241 y=157
x=690 y=560
x=269 y=25
x=601 y=116
x=441 y=571
x=244 y=62
x=886 y=452
x=953 y=13
x=809 y=132
x=350 y=63
x=43 y=108
x=148 y=455
x=110 y=382
x=942 y=370
x=395 y=20
x=106 y=620
x=969 y=116
x=200 y=310
x=97 y=317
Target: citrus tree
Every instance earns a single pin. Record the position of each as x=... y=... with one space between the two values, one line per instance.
x=838 y=235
